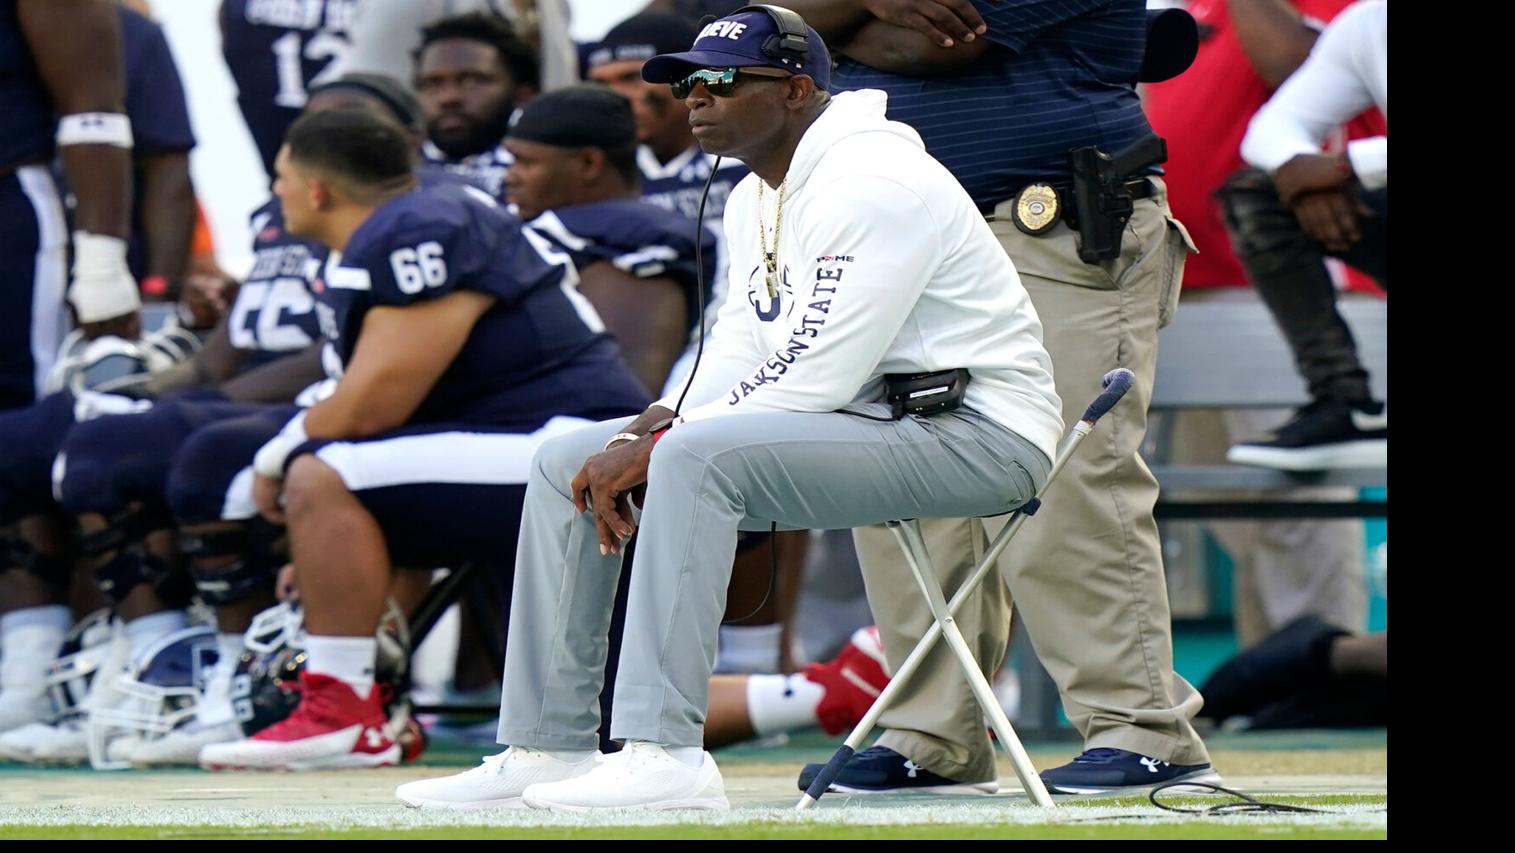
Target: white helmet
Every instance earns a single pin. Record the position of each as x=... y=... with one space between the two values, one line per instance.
x=158 y=693
x=109 y=363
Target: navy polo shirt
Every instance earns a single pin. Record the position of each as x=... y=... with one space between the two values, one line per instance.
x=1059 y=74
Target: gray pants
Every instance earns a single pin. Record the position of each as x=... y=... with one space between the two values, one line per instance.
x=708 y=480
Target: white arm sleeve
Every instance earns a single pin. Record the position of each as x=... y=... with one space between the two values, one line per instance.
x=875 y=244
x=1329 y=89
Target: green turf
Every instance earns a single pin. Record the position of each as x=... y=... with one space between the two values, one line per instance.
x=1118 y=819
x=746 y=831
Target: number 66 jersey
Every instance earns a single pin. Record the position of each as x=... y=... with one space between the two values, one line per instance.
x=540 y=351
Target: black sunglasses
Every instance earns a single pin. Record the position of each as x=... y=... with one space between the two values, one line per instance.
x=721 y=82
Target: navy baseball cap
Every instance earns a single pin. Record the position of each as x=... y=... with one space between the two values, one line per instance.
x=746 y=38
x=643 y=36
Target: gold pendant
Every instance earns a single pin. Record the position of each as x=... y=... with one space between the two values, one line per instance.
x=772 y=281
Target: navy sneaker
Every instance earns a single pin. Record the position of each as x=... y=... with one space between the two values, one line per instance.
x=881 y=770
x=1115 y=771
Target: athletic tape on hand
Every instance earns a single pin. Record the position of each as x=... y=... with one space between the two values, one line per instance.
x=102 y=286
x=271 y=457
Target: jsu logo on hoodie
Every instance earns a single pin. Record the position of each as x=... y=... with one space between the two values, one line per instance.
x=767 y=308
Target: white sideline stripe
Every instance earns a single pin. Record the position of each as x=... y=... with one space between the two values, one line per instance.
x=49 y=270
x=460 y=457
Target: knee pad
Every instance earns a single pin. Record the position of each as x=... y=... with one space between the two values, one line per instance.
x=15 y=551
x=251 y=570
x=133 y=565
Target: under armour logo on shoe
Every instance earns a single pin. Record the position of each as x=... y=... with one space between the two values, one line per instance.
x=911 y=767
x=374 y=736
x=1151 y=764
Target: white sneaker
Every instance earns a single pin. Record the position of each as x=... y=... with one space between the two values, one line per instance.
x=180 y=746
x=20 y=708
x=496 y=784
x=121 y=748
x=641 y=776
x=215 y=722
x=63 y=744
x=17 y=744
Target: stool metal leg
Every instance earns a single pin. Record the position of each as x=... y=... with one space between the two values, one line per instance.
x=909 y=534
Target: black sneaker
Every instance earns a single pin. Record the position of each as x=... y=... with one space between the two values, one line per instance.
x=881 y=770
x=1328 y=433
x=1116 y=771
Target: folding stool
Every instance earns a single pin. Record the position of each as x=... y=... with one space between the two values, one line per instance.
x=908 y=532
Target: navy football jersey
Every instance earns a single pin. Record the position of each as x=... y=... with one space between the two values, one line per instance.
x=485 y=170
x=273 y=49
x=640 y=239
x=677 y=185
x=275 y=311
x=26 y=134
x=540 y=351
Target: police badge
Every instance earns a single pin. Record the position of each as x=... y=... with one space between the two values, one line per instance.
x=1036 y=209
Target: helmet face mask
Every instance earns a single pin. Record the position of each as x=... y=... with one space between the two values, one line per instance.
x=85 y=650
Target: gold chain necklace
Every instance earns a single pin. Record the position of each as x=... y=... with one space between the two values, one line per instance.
x=771 y=259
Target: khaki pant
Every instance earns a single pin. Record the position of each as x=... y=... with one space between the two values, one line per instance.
x=1086 y=572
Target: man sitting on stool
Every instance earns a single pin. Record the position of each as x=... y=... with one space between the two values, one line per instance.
x=854 y=256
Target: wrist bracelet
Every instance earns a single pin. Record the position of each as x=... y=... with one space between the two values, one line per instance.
x=621 y=436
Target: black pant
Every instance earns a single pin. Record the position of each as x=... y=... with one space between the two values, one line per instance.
x=1287 y=266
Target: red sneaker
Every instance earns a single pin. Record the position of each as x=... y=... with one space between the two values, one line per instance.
x=330 y=728
x=852 y=681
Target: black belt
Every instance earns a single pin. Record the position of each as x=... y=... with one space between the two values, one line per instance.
x=1139 y=188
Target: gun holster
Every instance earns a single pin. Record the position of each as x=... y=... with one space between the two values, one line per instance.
x=926 y=393
x=1103 y=192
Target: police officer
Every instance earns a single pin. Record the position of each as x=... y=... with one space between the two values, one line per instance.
x=1002 y=93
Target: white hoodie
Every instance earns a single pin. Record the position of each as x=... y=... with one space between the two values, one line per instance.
x=886 y=266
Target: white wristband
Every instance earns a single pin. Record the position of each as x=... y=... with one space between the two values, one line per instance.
x=102 y=286
x=95 y=129
x=621 y=436
x=271 y=457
